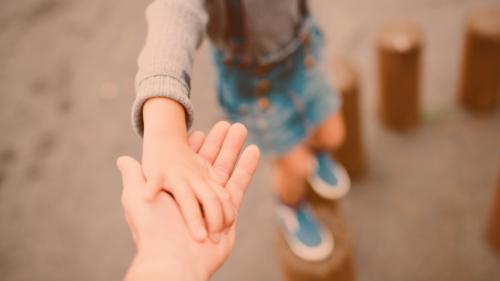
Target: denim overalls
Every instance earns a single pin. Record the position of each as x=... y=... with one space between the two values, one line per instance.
x=282 y=99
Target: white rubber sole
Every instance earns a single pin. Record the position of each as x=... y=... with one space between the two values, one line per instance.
x=325 y=190
x=317 y=254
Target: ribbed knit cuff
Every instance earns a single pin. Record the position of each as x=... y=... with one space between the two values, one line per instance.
x=160 y=86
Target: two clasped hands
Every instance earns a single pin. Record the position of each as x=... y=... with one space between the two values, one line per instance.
x=165 y=221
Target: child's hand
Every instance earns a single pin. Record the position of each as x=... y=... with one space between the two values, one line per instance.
x=164 y=245
x=192 y=177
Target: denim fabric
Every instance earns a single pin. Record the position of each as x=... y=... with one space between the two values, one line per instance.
x=300 y=97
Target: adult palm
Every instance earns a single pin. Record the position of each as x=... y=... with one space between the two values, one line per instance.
x=158 y=227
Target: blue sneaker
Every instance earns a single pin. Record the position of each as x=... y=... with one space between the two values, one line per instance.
x=330 y=179
x=306 y=236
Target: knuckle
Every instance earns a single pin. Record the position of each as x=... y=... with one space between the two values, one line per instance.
x=211 y=198
x=231 y=215
x=185 y=194
x=225 y=196
x=157 y=178
x=220 y=172
x=174 y=188
x=230 y=221
x=218 y=222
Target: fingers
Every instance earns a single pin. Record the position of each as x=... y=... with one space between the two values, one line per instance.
x=130 y=170
x=242 y=174
x=213 y=142
x=196 y=139
x=228 y=211
x=211 y=206
x=132 y=178
x=230 y=151
x=191 y=211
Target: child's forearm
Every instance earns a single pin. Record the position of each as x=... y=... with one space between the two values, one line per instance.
x=175 y=29
x=164 y=118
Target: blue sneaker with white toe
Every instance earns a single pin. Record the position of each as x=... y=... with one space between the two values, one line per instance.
x=329 y=179
x=306 y=236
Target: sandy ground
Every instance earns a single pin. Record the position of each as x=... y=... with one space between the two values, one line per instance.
x=66 y=84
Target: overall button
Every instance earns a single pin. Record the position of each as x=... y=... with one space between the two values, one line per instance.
x=264 y=103
x=307 y=39
x=309 y=61
x=262 y=70
x=263 y=87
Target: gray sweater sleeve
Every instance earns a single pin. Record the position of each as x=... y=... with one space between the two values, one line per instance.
x=175 y=30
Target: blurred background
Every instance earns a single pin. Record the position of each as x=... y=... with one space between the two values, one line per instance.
x=66 y=89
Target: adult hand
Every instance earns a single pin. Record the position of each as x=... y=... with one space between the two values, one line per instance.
x=165 y=248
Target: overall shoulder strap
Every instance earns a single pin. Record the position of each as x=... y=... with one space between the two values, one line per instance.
x=303 y=8
x=235 y=29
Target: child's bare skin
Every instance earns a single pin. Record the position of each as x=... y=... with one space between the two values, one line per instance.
x=270 y=63
x=330 y=134
x=165 y=248
x=292 y=169
x=170 y=164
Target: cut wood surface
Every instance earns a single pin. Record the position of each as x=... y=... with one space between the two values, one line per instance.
x=494 y=224
x=480 y=78
x=399 y=49
x=351 y=152
x=339 y=266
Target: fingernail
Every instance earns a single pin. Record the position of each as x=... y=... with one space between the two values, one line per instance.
x=215 y=237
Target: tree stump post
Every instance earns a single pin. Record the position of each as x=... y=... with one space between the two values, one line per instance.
x=399 y=48
x=479 y=87
x=338 y=267
x=351 y=152
x=493 y=233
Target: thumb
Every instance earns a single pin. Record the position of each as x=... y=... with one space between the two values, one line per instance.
x=131 y=171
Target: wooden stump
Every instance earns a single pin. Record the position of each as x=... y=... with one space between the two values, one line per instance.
x=493 y=234
x=480 y=79
x=338 y=267
x=351 y=152
x=399 y=48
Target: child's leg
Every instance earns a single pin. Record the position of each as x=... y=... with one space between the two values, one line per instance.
x=290 y=174
x=330 y=134
x=330 y=180
x=303 y=231
x=292 y=170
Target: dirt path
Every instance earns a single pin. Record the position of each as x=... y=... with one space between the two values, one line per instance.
x=66 y=84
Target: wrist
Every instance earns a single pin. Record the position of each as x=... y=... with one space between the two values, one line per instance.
x=160 y=267
x=163 y=137
x=165 y=118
